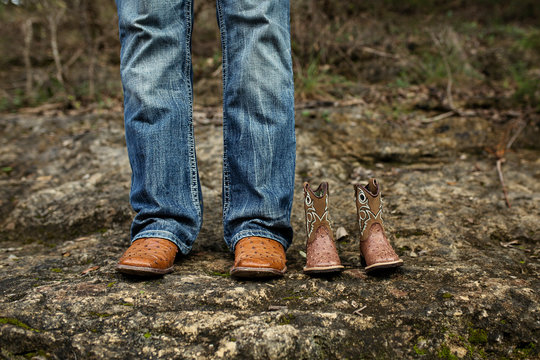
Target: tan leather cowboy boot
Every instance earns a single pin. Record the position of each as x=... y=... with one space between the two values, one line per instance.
x=321 y=252
x=374 y=245
x=256 y=257
x=148 y=256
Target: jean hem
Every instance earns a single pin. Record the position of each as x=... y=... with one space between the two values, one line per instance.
x=261 y=233
x=162 y=234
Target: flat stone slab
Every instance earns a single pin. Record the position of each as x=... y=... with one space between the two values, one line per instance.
x=468 y=289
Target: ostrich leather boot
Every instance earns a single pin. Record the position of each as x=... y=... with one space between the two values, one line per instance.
x=148 y=256
x=374 y=245
x=258 y=257
x=321 y=252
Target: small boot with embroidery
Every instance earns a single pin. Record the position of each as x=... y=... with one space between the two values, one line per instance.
x=374 y=245
x=321 y=252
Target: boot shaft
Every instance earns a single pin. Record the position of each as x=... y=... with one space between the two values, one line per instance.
x=316 y=209
x=368 y=206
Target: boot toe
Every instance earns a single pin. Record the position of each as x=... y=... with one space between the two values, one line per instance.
x=148 y=256
x=258 y=257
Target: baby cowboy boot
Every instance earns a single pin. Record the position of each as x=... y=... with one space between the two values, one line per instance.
x=321 y=252
x=374 y=245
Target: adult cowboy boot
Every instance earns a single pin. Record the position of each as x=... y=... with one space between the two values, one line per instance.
x=321 y=253
x=148 y=257
x=374 y=245
x=257 y=257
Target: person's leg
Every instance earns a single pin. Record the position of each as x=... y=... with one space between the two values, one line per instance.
x=258 y=122
x=157 y=79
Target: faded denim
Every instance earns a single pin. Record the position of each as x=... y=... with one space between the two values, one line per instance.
x=258 y=119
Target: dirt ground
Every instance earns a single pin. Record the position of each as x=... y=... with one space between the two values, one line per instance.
x=469 y=287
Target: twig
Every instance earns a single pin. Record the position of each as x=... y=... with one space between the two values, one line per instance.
x=349 y=102
x=378 y=52
x=89 y=270
x=514 y=137
x=76 y=55
x=449 y=83
x=439 y=117
x=500 y=158
x=501 y=178
x=217 y=71
x=329 y=103
x=358 y=311
x=509 y=244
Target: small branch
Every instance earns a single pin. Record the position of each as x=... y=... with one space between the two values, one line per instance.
x=218 y=71
x=439 y=117
x=515 y=136
x=314 y=104
x=358 y=311
x=501 y=178
x=378 y=52
x=76 y=55
x=449 y=83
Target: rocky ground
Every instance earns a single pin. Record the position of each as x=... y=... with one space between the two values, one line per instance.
x=469 y=287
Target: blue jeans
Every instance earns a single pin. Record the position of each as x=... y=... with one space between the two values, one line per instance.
x=258 y=119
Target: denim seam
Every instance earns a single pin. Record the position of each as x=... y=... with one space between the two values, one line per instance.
x=261 y=233
x=163 y=234
x=194 y=186
x=226 y=170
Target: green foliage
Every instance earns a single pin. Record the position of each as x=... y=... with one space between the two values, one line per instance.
x=308 y=81
x=286 y=319
x=328 y=61
x=18 y=323
x=40 y=354
x=445 y=353
x=527 y=85
x=531 y=40
x=526 y=350
x=317 y=81
x=418 y=350
x=217 y=273
x=100 y=315
x=478 y=336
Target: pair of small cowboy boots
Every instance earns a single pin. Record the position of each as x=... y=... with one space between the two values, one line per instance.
x=321 y=253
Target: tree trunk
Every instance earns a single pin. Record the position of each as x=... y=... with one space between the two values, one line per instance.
x=53 y=20
x=28 y=35
x=92 y=43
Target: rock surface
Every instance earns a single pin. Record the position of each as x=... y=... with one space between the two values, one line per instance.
x=469 y=287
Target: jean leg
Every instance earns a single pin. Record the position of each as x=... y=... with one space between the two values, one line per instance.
x=258 y=119
x=155 y=66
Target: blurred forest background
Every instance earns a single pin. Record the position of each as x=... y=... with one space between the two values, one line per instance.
x=467 y=54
